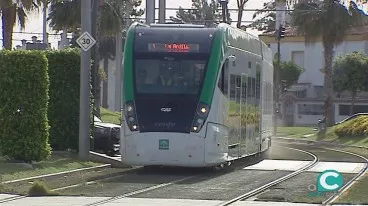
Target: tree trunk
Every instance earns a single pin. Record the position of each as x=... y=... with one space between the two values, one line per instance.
x=328 y=55
x=8 y=21
x=353 y=98
x=105 y=84
x=240 y=14
x=118 y=73
x=44 y=24
x=97 y=83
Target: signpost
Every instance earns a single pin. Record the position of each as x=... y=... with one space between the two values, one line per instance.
x=85 y=41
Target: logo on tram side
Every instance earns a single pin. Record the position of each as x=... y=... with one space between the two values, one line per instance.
x=167 y=125
x=329 y=181
x=163 y=144
x=166 y=109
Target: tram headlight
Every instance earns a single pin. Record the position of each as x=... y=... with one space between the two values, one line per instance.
x=200 y=117
x=131 y=116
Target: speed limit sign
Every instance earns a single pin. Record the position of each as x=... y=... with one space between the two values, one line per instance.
x=86 y=41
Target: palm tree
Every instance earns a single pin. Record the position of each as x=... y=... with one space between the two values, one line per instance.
x=108 y=52
x=110 y=23
x=330 y=21
x=11 y=11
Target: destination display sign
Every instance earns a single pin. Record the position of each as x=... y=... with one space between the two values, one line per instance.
x=173 y=47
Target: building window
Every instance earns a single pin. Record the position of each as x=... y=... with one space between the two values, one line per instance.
x=310 y=109
x=344 y=110
x=298 y=58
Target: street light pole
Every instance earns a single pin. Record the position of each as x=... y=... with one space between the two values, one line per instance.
x=150 y=11
x=224 y=4
x=84 y=107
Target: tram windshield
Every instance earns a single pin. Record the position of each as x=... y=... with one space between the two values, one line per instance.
x=169 y=74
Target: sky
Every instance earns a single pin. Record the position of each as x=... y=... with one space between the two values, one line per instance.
x=34 y=22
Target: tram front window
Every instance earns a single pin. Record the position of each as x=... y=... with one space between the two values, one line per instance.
x=168 y=75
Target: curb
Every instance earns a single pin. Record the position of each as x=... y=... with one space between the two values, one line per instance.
x=56 y=175
x=315 y=141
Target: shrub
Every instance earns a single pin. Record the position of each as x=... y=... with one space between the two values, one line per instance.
x=64 y=72
x=24 y=83
x=40 y=189
x=355 y=127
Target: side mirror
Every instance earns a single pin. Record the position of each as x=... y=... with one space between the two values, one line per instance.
x=232 y=59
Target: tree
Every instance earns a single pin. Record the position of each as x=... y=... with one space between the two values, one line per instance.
x=59 y=21
x=350 y=73
x=202 y=12
x=331 y=23
x=289 y=74
x=110 y=22
x=240 y=5
x=264 y=19
x=11 y=11
x=107 y=51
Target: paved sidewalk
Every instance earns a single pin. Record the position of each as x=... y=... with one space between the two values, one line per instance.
x=80 y=201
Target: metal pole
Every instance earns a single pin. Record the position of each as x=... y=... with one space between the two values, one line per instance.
x=44 y=29
x=150 y=11
x=118 y=79
x=277 y=84
x=223 y=14
x=224 y=10
x=162 y=11
x=84 y=108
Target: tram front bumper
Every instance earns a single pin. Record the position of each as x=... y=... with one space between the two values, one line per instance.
x=168 y=149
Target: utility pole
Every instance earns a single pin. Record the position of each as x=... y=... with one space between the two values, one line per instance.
x=280 y=32
x=150 y=11
x=84 y=108
x=44 y=22
x=161 y=11
x=225 y=10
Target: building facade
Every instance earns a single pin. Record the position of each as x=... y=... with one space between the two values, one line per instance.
x=303 y=103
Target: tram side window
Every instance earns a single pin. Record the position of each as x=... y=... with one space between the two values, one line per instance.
x=223 y=80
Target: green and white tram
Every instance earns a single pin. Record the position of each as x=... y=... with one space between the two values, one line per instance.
x=194 y=96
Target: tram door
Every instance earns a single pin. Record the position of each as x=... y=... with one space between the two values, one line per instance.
x=243 y=108
x=234 y=116
x=252 y=144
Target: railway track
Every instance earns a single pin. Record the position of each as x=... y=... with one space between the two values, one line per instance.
x=328 y=201
x=275 y=182
x=311 y=164
x=245 y=196
x=120 y=174
x=345 y=187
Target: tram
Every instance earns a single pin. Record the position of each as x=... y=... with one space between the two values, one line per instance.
x=194 y=96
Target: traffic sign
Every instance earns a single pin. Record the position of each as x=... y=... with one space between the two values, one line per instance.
x=86 y=41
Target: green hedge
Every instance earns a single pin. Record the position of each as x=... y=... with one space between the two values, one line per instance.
x=353 y=128
x=64 y=72
x=24 y=85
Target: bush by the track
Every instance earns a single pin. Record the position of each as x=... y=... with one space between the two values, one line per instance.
x=24 y=85
x=64 y=72
x=353 y=128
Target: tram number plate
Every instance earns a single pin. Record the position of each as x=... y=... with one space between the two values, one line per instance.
x=163 y=144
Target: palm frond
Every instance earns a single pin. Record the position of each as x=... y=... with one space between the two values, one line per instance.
x=22 y=17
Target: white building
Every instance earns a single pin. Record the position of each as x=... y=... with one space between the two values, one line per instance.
x=303 y=104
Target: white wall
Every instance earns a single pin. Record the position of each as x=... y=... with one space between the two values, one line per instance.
x=313 y=57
